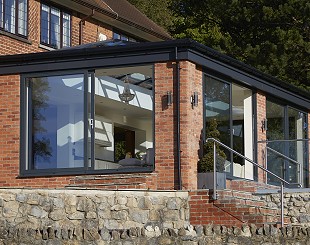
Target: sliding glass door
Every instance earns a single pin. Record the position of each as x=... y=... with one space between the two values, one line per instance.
x=121 y=119
x=287 y=149
x=228 y=109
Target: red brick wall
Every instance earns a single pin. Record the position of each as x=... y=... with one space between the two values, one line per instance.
x=261 y=135
x=11 y=45
x=166 y=169
x=191 y=124
x=165 y=118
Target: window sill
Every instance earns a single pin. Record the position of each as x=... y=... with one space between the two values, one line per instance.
x=46 y=47
x=16 y=37
x=74 y=172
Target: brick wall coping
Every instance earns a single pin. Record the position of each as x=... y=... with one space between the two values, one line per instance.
x=166 y=193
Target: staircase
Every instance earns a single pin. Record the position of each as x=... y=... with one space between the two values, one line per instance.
x=235 y=206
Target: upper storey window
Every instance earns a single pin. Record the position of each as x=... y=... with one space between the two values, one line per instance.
x=13 y=16
x=123 y=37
x=55 y=27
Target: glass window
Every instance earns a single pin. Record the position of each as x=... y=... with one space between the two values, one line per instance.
x=123 y=37
x=123 y=118
x=228 y=110
x=56 y=122
x=103 y=123
x=55 y=27
x=287 y=131
x=13 y=16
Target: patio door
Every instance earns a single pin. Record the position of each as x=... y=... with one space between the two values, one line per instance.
x=228 y=109
x=287 y=131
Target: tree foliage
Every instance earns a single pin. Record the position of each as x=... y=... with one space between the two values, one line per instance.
x=271 y=35
x=157 y=10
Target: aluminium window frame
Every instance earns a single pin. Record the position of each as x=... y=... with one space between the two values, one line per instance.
x=224 y=79
x=25 y=131
x=62 y=11
x=286 y=105
x=16 y=19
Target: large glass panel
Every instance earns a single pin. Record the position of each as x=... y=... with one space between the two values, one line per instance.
x=123 y=121
x=56 y=116
x=275 y=131
x=242 y=131
x=297 y=149
x=9 y=18
x=218 y=114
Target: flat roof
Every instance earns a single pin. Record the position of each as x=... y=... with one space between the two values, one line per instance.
x=117 y=53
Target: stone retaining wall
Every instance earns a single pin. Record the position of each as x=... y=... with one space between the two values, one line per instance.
x=155 y=236
x=36 y=216
x=66 y=209
x=296 y=206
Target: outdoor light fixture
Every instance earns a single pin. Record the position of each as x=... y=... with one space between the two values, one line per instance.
x=169 y=98
x=194 y=99
x=264 y=125
x=126 y=96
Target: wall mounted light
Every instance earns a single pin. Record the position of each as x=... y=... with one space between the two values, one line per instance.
x=169 y=98
x=194 y=99
x=264 y=125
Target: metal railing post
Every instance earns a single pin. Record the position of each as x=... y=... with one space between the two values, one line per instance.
x=266 y=164
x=255 y=164
x=282 y=204
x=214 y=172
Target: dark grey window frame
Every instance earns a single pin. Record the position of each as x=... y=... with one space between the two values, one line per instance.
x=25 y=125
x=16 y=20
x=230 y=82
x=62 y=11
x=286 y=105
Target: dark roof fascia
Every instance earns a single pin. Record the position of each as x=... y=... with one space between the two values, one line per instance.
x=139 y=53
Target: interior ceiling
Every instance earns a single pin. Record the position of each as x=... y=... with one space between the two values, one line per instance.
x=106 y=106
x=145 y=70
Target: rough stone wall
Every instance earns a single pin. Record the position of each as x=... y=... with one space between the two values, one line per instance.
x=207 y=235
x=66 y=209
x=40 y=216
x=296 y=206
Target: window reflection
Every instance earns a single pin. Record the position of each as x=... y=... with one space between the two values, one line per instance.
x=57 y=121
x=124 y=131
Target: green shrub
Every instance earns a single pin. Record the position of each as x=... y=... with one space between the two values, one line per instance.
x=205 y=164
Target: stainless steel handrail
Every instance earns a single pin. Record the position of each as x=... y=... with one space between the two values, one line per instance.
x=282 y=155
x=300 y=170
x=214 y=196
x=272 y=141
